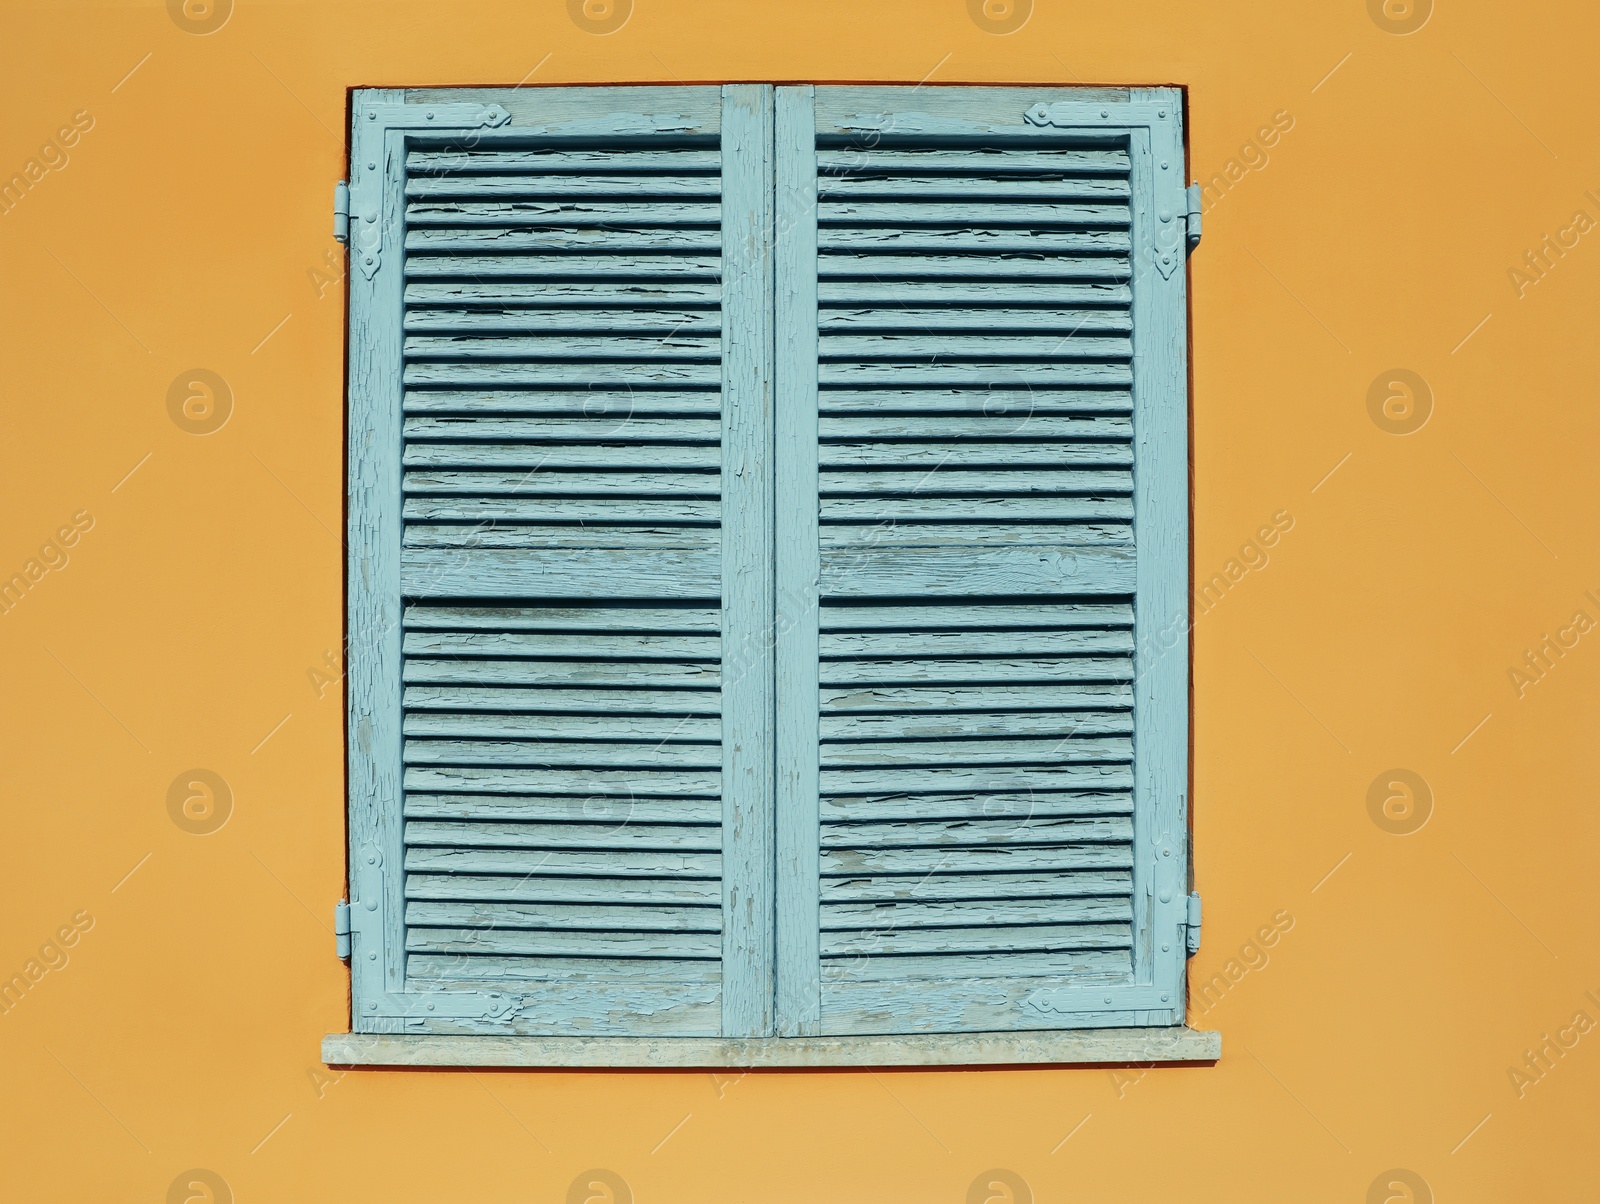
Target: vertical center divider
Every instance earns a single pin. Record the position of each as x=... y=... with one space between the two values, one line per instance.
x=747 y=569
x=798 y=558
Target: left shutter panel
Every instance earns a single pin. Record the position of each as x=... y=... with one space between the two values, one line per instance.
x=536 y=563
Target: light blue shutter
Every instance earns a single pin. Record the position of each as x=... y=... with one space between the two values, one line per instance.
x=560 y=578
x=982 y=534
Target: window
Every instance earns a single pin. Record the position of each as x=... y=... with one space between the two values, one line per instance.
x=767 y=589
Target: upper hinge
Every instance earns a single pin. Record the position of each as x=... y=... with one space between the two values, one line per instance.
x=1193 y=925
x=341 y=929
x=341 y=211
x=1193 y=222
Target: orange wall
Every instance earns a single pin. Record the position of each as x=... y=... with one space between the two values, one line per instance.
x=185 y=228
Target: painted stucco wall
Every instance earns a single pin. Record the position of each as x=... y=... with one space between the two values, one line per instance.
x=1379 y=201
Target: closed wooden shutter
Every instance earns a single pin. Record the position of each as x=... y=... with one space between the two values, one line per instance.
x=767 y=603
x=560 y=562
x=981 y=448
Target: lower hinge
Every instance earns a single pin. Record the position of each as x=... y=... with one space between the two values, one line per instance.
x=341 y=929
x=1193 y=925
x=1192 y=222
x=341 y=212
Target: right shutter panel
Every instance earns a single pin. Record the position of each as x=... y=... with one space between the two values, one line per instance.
x=985 y=840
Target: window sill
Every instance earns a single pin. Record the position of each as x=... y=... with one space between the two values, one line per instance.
x=1077 y=1048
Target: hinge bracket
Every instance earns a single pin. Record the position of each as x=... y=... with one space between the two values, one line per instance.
x=341 y=212
x=341 y=929
x=1193 y=222
x=1192 y=925
x=366 y=240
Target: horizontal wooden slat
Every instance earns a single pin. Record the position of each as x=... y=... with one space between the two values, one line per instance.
x=966 y=189
x=579 y=162
x=635 y=511
x=577 y=753
x=627 y=783
x=536 y=538
x=1008 y=301
x=958 y=672
x=633 y=673
x=520 y=886
x=899 y=572
x=916 y=213
x=1042 y=750
x=993 y=510
x=573 y=988
x=998 y=696
x=986 y=399
x=610 y=295
x=512 y=202
x=594 y=916
x=843 y=538
x=540 y=808
x=569 y=573
x=940 y=456
x=977 y=236
x=601 y=644
x=945 y=885
x=588 y=349
x=479 y=726
x=957 y=160
x=557 y=482
x=591 y=404
x=905 y=915
x=621 y=837
x=963 y=618
x=633 y=323
x=598 y=266
x=999 y=832
x=527 y=943
x=1055 y=323
x=845 y=862
x=882 y=269
x=1039 y=349
x=1060 y=373
x=978 y=640
x=939 y=481
x=1001 y=779
x=1011 y=808
x=579 y=374
x=564 y=700
x=624 y=241
x=591 y=430
x=874 y=429
x=548 y=863
x=1041 y=938
x=947 y=726
x=645 y=620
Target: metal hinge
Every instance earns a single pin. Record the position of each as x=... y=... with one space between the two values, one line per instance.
x=1193 y=925
x=341 y=929
x=1193 y=221
x=341 y=211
